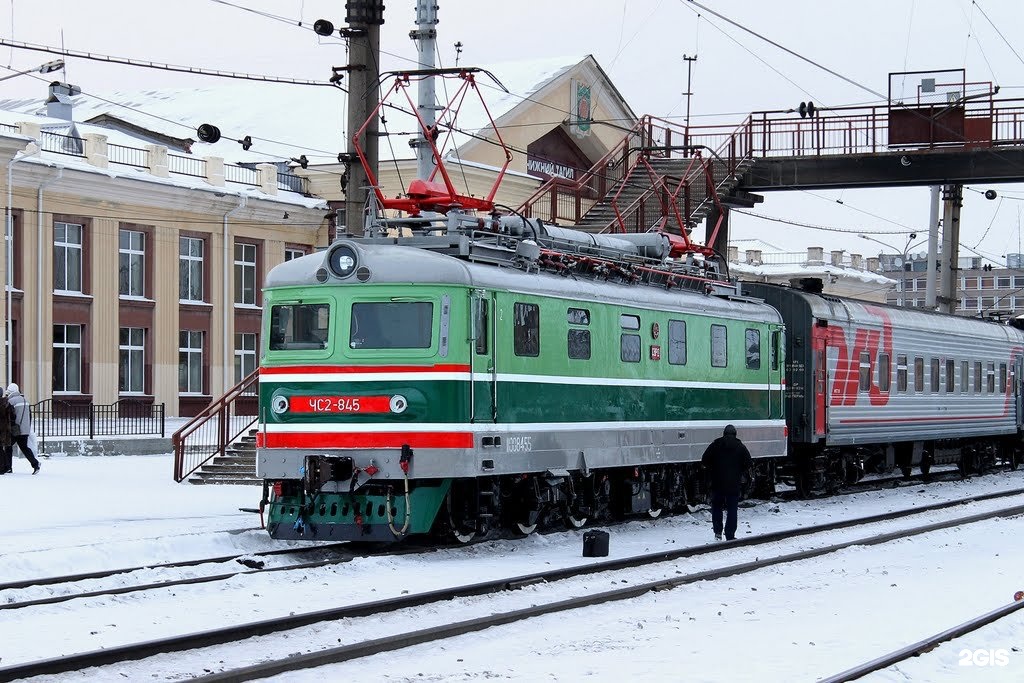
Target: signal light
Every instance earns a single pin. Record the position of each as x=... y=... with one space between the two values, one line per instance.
x=323 y=27
x=208 y=133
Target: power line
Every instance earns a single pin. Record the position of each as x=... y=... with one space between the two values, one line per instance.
x=824 y=228
x=992 y=24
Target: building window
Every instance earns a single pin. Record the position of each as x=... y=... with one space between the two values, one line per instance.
x=1003 y=282
x=131 y=263
x=190 y=268
x=245 y=356
x=677 y=342
x=526 y=329
x=291 y=253
x=1018 y=281
x=131 y=354
x=988 y=283
x=67 y=358
x=970 y=282
x=971 y=303
x=67 y=257
x=245 y=274
x=719 y=346
x=190 y=362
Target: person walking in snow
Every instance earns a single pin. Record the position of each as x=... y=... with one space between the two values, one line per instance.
x=725 y=461
x=6 y=437
x=22 y=425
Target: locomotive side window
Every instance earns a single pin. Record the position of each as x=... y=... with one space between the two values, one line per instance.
x=753 y=348
x=719 y=346
x=901 y=373
x=865 y=370
x=391 y=325
x=965 y=376
x=977 y=377
x=299 y=326
x=1002 y=378
x=774 y=350
x=991 y=378
x=578 y=340
x=526 y=330
x=677 y=342
x=934 y=375
x=629 y=322
x=919 y=374
x=950 y=375
x=480 y=325
x=884 y=377
x=629 y=344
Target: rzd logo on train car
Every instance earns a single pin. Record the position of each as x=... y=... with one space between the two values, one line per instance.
x=846 y=378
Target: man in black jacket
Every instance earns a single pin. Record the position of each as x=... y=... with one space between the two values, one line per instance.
x=725 y=461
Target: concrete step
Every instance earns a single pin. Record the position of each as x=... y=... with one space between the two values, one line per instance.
x=232 y=480
x=240 y=468
x=231 y=459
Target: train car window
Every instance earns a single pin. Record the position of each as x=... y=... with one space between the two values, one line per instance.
x=934 y=367
x=865 y=370
x=526 y=329
x=297 y=327
x=901 y=373
x=884 y=372
x=629 y=322
x=1002 y=378
x=753 y=348
x=480 y=325
x=391 y=325
x=965 y=376
x=677 y=342
x=578 y=316
x=629 y=348
x=774 y=351
x=919 y=375
x=719 y=346
x=977 y=378
x=950 y=376
x=990 y=379
x=579 y=344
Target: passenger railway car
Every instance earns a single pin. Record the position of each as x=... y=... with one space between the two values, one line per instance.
x=872 y=386
x=458 y=384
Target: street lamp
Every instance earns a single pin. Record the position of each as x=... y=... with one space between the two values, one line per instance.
x=906 y=249
x=48 y=67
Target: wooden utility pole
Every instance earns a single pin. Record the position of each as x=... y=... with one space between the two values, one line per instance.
x=364 y=18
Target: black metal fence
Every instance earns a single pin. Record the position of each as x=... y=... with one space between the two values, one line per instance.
x=54 y=418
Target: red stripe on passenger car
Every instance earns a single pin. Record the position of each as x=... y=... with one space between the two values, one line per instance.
x=903 y=420
x=351 y=369
x=366 y=440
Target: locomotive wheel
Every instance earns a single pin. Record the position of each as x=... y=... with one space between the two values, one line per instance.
x=573 y=520
x=654 y=514
x=527 y=529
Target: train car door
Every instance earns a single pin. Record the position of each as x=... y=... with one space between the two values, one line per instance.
x=483 y=381
x=775 y=364
x=819 y=359
x=1018 y=395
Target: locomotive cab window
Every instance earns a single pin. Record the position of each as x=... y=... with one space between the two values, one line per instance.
x=391 y=325
x=752 y=344
x=299 y=327
x=526 y=329
x=719 y=346
x=901 y=373
x=677 y=342
x=629 y=344
x=775 y=349
x=578 y=340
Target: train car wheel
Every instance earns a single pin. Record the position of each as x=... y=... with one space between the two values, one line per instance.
x=654 y=514
x=525 y=529
x=572 y=522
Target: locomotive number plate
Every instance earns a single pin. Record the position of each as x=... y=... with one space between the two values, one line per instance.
x=340 y=404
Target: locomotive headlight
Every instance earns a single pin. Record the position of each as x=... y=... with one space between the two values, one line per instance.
x=280 y=404
x=399 y=403
x=342 y=261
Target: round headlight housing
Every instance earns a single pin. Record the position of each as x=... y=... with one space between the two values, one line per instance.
x=342 y=260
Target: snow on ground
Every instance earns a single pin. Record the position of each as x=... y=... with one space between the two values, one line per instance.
x=802 y=621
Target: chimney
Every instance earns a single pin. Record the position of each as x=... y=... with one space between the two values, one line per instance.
x=873 y=264
x=857 y=261
x=815 y=256
x=837 y=258
x=58 y=104
x=734 y=253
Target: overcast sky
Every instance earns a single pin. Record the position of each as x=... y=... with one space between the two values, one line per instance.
x=640 y=43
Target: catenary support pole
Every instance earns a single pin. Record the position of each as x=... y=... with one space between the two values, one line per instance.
x=933 y=247
x=952 y=197
x=425 y=37
x=364 y=18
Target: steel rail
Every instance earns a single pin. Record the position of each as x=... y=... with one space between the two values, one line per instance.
x=922 y=646
x=137 y=651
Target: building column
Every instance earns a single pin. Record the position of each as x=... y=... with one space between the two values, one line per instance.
x=104 y=329
x=164 y=334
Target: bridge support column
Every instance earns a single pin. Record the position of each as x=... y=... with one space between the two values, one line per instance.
x=952 y=198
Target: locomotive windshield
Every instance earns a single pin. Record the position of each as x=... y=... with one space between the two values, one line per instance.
x=391 y=325
x=299 y=326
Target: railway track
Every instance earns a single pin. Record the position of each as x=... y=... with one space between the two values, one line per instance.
x=116 y=654
x=923 y=646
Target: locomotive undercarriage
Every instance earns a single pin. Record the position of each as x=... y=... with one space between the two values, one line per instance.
x=819 y=469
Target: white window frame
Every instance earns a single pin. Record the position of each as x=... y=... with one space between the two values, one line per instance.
x=245 y=355
x=243 y=267
x=71 y=352
x=72 y=253
x=134 y=351
x=190 y=357
x=135 y=256
x=187 y=262
x=292 y=253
